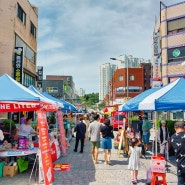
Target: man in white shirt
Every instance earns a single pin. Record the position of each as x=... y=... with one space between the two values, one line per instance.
x=94 y=131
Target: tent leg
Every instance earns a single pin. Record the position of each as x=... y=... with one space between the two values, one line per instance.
x=155 y=113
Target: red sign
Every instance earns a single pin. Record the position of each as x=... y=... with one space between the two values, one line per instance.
x=49 y=107
x=53 y=152
x=45 y=148
x=18 y=106
x=62 y=133
x=61 y=167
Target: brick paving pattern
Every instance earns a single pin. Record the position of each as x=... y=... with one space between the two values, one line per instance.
x=84 y=172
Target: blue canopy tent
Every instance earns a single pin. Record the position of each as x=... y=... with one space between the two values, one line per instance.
x=15 y=97
x=68 y=107
x=60 y=104
x=11 y=90
x=132 y=104
x=168 y=97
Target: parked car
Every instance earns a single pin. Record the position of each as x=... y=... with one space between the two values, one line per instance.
x=119 y=120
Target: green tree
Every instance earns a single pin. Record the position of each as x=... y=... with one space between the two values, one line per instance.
x=89 y=100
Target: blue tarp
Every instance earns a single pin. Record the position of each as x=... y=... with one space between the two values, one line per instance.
x=11 y=90
x=60 y=105
x=169 y=97
x=132 y=104
x=67 y=106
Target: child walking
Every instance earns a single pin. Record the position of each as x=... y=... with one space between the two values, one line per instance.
x=133 y=165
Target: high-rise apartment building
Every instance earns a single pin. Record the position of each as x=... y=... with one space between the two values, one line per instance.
x=169 y=43
x=105 y=74
x=80 y=92
x=132 y=62
x=18 y=40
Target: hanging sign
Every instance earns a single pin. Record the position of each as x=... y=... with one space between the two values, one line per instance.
x=18 y=66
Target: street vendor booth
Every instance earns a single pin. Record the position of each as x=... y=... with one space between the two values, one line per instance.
x=68 y=107
x=167 y=98
x=14 y=97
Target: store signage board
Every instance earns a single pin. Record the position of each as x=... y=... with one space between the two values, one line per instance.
x=18 y=65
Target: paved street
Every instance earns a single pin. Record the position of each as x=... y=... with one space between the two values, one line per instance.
x=84 y=172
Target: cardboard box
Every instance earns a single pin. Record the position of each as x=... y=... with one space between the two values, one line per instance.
x=10 y=171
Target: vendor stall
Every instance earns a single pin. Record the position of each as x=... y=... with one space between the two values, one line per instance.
x=13 y=152
x=14 y=97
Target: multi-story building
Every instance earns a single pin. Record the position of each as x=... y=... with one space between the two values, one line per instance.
x=169 y=43
x=61 y=87
x=124 y=60
x=80 y=92
x=105 y=74
x=18 y=40
x=130 y=79
x=126 y=83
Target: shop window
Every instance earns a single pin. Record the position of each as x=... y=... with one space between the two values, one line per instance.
x=21 y=14
x=28 y=80
x=28 y=52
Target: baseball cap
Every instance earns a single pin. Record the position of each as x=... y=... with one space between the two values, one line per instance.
x=144 y=116
x=163 y=121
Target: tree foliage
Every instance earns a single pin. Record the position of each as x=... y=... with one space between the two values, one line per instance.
x=90 y=100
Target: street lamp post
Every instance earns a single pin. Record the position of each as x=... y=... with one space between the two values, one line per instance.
x=126 y=74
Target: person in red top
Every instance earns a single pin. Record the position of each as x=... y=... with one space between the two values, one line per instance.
x=102 y=119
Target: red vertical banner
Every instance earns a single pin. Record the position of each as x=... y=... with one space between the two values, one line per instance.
x=62 y=132
x=45 y=148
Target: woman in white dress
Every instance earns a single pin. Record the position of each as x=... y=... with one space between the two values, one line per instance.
x=133 y=165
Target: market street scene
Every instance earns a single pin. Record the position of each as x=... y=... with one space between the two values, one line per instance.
x=84 y=171
x=92 y=92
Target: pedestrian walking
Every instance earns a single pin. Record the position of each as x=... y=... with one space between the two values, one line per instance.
x=80 y=130
x=94 y=131
x=134 y=159
x=140 y=127
x=106 y=144
x=87 y=123
x=163 y=139
x=146 y=126
x=178 y=143
x=66 y=125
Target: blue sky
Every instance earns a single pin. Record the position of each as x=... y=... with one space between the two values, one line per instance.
x=75 y=37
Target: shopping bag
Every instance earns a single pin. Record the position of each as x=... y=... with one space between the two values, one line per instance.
x=22 y=164
x=1 y=168
x=148 y=176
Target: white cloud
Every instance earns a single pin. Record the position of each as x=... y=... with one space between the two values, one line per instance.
x=77 y=36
